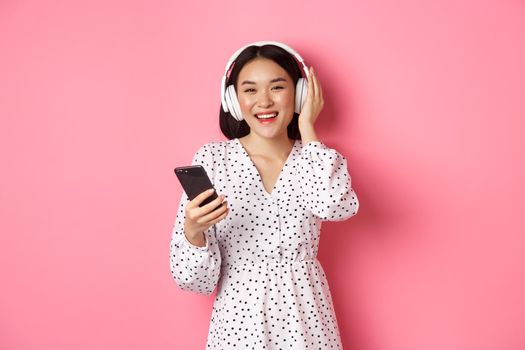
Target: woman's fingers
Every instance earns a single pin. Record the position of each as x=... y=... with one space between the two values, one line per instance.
x=200 y=198
x=207 y=212
x=316 y=86
x=193 y=209
x=311 y=84
x=215 y=215
x=213 y=222
x=321 y=99
x=212 y=205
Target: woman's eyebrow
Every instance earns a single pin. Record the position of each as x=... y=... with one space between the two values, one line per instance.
x=271 y=81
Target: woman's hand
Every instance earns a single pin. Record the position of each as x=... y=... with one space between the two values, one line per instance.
x=199 y=219
x=313 y=104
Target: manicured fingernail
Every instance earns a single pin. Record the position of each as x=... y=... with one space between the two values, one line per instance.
x=211 y=190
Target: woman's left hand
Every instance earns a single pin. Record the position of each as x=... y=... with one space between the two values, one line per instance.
x=314 y=101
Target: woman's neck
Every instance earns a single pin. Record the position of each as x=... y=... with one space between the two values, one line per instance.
x=278 y=147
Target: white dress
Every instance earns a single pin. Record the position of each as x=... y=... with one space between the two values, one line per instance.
x=272 y=291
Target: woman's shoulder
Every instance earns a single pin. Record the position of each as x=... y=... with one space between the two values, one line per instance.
x=217 y=148
x=219 y=144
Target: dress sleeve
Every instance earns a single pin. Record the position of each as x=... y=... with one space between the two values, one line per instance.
x=325 y=184
x=194 y=268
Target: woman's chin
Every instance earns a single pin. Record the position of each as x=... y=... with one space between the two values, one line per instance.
x=268 y=128
x=268 y=133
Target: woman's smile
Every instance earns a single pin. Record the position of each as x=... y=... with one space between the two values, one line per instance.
x=266 y=117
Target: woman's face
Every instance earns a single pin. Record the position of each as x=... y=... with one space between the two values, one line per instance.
x=266 y=96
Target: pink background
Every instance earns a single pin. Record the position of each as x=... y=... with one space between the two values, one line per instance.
x=99 y=100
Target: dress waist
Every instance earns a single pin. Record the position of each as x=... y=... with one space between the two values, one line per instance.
x=285 y=263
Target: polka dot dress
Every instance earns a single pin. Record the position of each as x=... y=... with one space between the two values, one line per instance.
x=272 y=292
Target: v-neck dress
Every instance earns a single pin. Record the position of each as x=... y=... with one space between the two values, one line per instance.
x=272 y=292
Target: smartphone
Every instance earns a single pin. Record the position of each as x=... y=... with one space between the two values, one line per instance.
x=194 y=181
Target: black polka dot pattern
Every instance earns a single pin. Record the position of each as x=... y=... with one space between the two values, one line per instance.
x=272 y=292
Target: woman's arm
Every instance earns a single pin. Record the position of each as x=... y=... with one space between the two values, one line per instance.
x=195 y=268
x=325 y=184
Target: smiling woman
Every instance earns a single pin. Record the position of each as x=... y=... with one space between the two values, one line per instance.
x=232 y=121
x=281 y=183
x=266 y=97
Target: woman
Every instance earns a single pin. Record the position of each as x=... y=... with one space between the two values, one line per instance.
x=259 y=248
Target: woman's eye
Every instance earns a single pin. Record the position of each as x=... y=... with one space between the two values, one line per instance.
x=275 y=87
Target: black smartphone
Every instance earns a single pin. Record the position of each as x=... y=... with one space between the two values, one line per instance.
x=194 y=181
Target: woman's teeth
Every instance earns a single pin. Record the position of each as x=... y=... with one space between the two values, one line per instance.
x=266 y=116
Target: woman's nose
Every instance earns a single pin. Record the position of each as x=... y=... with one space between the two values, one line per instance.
x=265 y=100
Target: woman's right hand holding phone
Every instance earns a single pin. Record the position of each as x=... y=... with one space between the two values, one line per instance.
x=199 y=219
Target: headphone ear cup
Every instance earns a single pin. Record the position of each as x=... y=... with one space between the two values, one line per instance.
x=232 y=103
x=301 y=91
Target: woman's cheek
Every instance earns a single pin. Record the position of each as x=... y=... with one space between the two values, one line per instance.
x=287 y=96
x=286 y=100
x=245 y=104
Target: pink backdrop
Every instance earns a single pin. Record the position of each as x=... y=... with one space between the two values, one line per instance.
x=99 y=100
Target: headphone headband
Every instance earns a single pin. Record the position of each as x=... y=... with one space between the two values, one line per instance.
x=256 y=43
